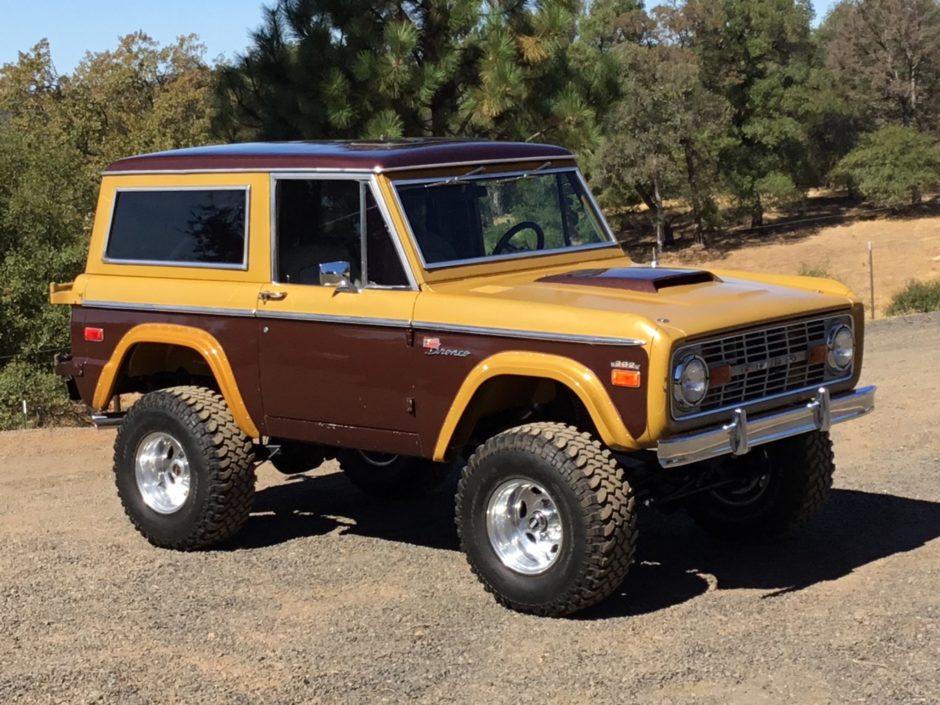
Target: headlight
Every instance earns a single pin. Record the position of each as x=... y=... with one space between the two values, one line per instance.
x=841 y=348
x=690 y=381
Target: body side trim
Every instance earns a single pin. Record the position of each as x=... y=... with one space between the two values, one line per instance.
x=363 y=320
x=578 y=378
x=168 y=308
x=186 y=336
x=327 y=318
x=529 y=334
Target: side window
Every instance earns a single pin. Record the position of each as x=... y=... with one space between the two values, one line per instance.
x=317 y=222
x=383 y=267
x=320 y=221
x=185 y=226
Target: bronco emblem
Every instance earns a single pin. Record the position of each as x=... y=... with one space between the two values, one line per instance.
x=768 y=364
x=432 y=346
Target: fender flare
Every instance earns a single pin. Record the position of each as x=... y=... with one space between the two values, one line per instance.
x=572 y=374
x=197 y=340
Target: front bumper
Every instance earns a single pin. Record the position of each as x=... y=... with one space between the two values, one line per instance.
x=742 y=434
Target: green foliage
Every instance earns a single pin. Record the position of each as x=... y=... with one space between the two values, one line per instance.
x=916 y=297
x=892 y=166
x=778 y=189
x=664 y=135
x=885 y=58
x=757 y=55
x=56 y=135
x=384 y=69
x=820 y=269
x=41 y=389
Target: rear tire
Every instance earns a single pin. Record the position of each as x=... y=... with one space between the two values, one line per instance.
x=546 y=519
x=392 y=476
x=783 y=486
x=183 y=468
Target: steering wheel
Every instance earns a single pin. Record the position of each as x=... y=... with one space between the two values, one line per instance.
x=515 y=230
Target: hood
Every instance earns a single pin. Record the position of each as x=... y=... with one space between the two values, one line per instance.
x=648 y=279
x=629 y=301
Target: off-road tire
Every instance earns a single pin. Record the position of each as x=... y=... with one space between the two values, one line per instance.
x=221 y=460
x=594 y=500
x=403 y=477
x=799 y=476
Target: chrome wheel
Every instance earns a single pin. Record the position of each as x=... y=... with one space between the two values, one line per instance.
x=743 y=493
x=379 y=460
x=524 y=526
x=162 y=472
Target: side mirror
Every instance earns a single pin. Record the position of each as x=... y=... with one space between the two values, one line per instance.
x=337 y=274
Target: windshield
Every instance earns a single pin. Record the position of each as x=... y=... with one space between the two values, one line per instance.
x=480 y=217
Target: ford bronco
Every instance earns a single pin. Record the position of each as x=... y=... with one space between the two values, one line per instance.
x=401 y=306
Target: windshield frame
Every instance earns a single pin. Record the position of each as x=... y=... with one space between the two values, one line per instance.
x=591 y=204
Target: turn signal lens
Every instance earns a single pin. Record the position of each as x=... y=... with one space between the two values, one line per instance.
x=94 y=335
x=818 y=354
x=718 y=376
x=625 y=378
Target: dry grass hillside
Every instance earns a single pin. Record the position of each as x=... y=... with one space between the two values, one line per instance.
x=905 y=248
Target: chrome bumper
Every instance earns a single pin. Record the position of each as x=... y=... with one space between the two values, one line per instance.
x=742 y=434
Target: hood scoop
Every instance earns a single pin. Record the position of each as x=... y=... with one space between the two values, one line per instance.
x=646 y=279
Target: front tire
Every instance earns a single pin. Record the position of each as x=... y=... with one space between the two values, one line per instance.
x=782 y=486
x=546 y=519
x=184 y=470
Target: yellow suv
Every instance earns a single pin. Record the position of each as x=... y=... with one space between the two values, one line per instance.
x=402 y=305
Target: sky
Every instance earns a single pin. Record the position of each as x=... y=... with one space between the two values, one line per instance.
x=76 y=26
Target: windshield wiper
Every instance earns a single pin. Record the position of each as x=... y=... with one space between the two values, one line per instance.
x=473 y=172
x=456 y=179
x=524 y=175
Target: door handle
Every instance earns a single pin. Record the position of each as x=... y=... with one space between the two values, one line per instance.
x=273 y=295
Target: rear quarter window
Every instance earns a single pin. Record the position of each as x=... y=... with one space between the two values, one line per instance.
x=204 y=227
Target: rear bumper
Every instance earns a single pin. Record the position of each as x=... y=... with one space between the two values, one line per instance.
x=64 y=365
x=742 y=434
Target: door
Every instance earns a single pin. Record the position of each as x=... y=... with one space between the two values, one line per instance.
x=336 y=357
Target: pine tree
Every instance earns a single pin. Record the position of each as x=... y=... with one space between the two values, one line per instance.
x=385 y=69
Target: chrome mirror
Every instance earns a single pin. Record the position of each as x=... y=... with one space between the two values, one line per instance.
x=337 y=274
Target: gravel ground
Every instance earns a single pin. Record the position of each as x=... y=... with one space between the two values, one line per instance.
x=329 y=597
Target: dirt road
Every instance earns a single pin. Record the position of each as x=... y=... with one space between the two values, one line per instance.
x=328 y=597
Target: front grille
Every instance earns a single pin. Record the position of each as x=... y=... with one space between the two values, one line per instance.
x=765 y=362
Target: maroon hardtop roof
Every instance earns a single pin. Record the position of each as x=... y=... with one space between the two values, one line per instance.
x=365 y=156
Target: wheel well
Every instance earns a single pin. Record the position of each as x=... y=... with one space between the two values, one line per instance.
x=508 y=400
x=150 y=366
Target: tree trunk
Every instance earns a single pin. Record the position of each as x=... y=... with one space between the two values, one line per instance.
x=757 y=212
x=664 y=235
x=691 y=179
x=654 y=203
